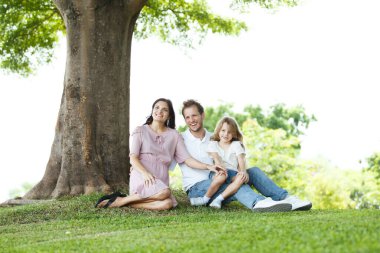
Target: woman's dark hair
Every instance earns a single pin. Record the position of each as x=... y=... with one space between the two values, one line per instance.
x=171 y=119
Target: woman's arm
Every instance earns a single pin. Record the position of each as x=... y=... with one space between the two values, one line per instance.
x=136 y=164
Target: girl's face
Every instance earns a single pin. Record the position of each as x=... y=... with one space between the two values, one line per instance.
x=225 y=134
x=160 y=111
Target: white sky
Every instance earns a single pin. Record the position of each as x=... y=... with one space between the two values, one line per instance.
x=323 y=55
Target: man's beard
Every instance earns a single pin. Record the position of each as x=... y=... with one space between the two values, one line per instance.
x=196 y=129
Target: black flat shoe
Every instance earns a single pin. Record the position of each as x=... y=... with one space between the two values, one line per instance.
x=110 y=196
x=110 y=201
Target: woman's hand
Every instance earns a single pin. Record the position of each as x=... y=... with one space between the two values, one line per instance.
x=149 y=179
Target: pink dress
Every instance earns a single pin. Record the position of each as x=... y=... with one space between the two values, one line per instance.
x=155 y=151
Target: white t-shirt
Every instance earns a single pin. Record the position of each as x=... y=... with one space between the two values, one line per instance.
x=230 y=156
x=198 y=150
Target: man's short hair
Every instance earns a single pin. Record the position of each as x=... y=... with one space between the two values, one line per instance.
x=190 y=103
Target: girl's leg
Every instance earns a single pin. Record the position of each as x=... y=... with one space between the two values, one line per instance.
x=217 y=180
x=231 y=189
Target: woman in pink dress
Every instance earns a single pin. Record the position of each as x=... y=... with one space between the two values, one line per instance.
x=154 y=145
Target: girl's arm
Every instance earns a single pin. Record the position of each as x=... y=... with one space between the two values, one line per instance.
x=242 y=167
x=136 y=164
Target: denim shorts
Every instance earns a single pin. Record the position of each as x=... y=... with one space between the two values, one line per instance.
x=199 y=189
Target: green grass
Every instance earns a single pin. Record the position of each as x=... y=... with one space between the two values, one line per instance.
x=74 y=225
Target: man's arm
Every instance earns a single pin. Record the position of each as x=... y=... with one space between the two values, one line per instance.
x=193 y=163
x=217 y=159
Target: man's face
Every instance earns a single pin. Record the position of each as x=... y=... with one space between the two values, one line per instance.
x=193 y=119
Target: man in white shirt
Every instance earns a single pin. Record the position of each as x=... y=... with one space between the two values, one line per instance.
x=196 y=182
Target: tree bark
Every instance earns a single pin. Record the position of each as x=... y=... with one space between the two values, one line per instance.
x=90 y=152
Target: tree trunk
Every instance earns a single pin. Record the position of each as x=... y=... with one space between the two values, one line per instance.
x=90 y=151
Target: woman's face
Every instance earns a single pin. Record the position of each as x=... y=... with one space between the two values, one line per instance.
x=225 y=134
x=160 y=111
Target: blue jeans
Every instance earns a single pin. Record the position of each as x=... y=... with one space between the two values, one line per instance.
x=245 y=195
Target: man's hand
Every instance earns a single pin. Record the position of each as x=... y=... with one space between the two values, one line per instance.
x=220 y=168
x=216 y=168
x=244 y=175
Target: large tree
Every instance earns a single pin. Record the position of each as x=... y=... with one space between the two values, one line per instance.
x=90 y=148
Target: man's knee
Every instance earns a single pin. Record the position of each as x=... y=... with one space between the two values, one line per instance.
x=199 y=189
x=254 y=170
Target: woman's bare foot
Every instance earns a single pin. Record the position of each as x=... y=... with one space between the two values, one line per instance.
x=108 y=203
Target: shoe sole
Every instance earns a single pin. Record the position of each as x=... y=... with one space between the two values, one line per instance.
x=197 y=204
x=283 y=207
x=304 y=208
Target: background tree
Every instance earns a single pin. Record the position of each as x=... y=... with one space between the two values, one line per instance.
x=90 y=149
x=293 y=120
x=374 y=164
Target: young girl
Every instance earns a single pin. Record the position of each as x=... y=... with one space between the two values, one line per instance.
x=227 y=151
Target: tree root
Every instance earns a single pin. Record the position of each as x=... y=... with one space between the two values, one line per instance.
x=21 y=201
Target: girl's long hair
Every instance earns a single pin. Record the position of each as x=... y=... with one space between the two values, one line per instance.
x=170 y=122
x=234 y=128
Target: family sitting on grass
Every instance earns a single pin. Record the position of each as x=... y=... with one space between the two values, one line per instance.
x=214 y=169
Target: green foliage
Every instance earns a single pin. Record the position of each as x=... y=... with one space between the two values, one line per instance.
x=176 y=178
x=25 y=187
x=268 y=4
x=180 y=22
x=329 y=187
x=271 y=150
x=214 y=114
x=374 y=164
x=30 y=29
x=365 y=190
x=329 y=191
x=294 y=120
x=74 y=225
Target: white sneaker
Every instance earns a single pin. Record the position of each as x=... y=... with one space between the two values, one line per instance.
x=297 y=204
x=216 y=204
x=269 y=205
x=198 y=201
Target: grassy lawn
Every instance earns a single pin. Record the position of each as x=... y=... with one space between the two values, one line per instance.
x=74 y=225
